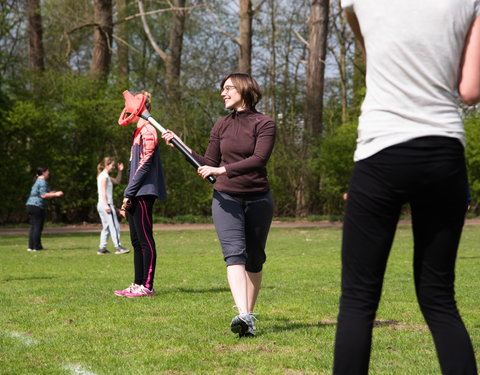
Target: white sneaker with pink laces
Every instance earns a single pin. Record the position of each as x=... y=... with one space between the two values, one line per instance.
x=130 y=289
x=141 y=291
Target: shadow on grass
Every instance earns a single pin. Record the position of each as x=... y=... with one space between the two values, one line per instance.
x=288 y=325
x=385 y=323
x=28 y=278
x=195 y=291
x=201 y=290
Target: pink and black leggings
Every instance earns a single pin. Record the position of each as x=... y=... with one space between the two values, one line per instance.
x=141 y=235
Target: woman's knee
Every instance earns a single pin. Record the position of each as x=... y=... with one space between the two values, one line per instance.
x=254 y=262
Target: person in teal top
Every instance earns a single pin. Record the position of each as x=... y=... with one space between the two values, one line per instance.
x=36 y=204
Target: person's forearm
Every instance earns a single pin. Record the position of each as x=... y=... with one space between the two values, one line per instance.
x=469 y=81
x=183 y=144
x=51 y=194
x=118 y=178
x=355 y=26
x=104 y=199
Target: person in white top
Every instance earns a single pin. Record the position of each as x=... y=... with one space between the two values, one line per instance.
x=422 y=58
x=106 y=208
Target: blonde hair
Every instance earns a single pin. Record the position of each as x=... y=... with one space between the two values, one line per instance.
x=148 y=101
x=103 y=164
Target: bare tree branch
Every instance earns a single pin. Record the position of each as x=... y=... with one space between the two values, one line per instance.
x=154 y=44
x=220 y=26
x=301 y=61
x=171 y=9
x=120 y=40
x=302 y=39
x=79 y=27
x=67 y=33
x=259 y=5
x=149 y=13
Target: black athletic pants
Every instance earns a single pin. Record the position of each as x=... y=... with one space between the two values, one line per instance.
x=36 y=215
x=141 y=235
x=430 y=174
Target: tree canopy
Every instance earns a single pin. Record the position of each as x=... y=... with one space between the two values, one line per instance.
x=64 y=65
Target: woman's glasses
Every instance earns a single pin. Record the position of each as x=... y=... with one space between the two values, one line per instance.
x=227 y=88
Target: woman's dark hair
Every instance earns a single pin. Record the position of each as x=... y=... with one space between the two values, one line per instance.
x=246 y=86
x=41 y=169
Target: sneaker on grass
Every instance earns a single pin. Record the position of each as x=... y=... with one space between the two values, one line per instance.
x=130 y=289
x=103 y=252
x=141 y=291
x=244 y=325
x=121 y=250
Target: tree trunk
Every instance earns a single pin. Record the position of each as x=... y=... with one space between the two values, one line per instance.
x=102 y=37
x=173 y=62
x=35 y=32
x=343 y=68
x=246 y=16
x=172 y=59
x=122 y=48
x=342 y=41
x=313 y=124
x=317 y=47
x=271 y=107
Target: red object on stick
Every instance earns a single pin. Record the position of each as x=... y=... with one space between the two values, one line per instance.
x=135 y=106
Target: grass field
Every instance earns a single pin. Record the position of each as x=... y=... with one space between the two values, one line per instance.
x=58 y=314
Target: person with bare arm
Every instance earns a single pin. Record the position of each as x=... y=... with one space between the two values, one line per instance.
x=36 y=204
x=420 y=56
x=106 y=208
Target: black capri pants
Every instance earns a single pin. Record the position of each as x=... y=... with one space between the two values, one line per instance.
x=430 y=174
x=242 y=223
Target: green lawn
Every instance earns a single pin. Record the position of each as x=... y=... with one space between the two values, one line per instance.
x=58 y=314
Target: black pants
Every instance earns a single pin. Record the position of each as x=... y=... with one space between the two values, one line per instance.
x=141 y=235
x=36 y=215
x=430 y=174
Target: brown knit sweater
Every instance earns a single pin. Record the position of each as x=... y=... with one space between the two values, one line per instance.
x=242 y=142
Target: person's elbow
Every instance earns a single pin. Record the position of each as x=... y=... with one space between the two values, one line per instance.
x=261 y=162
x=469 y=82
x=469 y=93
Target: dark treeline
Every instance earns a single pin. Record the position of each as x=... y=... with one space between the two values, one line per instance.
x=65 y=63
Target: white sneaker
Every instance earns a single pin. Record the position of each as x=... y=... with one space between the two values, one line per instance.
x=140 y=291
x=132 y=288
x=121 y=250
